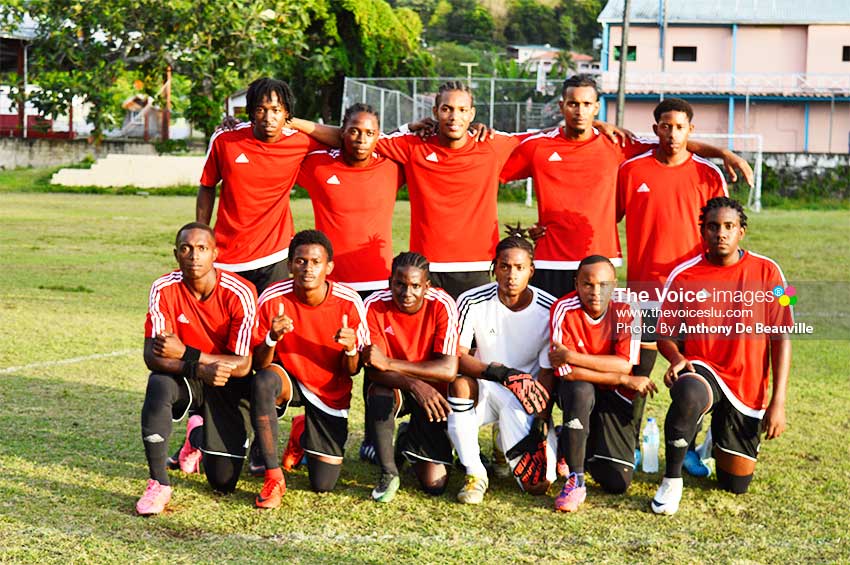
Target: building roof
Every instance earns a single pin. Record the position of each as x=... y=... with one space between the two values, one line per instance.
x=753 y=12
x=25 y=30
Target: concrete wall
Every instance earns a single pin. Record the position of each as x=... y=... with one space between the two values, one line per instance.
x=771 y=49
x=823 y=53
x=16 y=152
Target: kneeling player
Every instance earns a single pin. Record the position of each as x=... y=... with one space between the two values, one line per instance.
x=508 y=320
x=197 y=345
x=595 y=343
x=310 y=331
x=412 y=359
x=726 y=375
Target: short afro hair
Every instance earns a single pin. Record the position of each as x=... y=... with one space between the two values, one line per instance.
x=311 y=237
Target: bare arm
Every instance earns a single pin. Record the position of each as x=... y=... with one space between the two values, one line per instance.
x=560 y=355
x=329 y=135
x=443 y=368
x=161 y=356
x=773 y=424
x=670 y=350
x=731 y=161
x=436 y=407
x=204 y=204
x=641 y=385
x=469 y=365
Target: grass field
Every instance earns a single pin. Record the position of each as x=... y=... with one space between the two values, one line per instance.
x=75 y=277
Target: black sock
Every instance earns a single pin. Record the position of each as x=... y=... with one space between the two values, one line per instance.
x=577 y=399
x=162 y=394
x=380 y=417
x=265 y=389
x=322 y=475
x=690 y=397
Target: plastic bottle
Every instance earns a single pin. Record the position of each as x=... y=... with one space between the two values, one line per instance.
x=651 y=441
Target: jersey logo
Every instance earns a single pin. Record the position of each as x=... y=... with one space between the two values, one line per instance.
x=389 y=330
x=703 y=295
x=555 y=157
x=580 y=343
x=242 y=159
x=333 y=180
x=183 y=319
x=643 y=187
x=432 y=157
x=492 y=331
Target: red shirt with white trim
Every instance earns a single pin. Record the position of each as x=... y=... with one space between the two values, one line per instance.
x=253 y=225
x=575 y=184
x=707 y=298
x=414 y=337
x=309 y=352
x=662 y=206
x=610 y=334
x=453 y=218
x=353 y=206
x=223 y=324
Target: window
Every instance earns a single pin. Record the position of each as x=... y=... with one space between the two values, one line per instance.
x=631 y=53
x=845 y=53
x=684 y=53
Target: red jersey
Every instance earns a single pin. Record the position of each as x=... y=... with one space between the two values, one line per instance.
x=575 y=183
x=253 y=225
x=716 y=311
x=453 y=192
x=222 y=324
x=414 y=337
x=309 y=352
x=662 y=206
x=353 y=206
x=616 y=332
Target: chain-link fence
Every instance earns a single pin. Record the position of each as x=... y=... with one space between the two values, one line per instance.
x=504 y=104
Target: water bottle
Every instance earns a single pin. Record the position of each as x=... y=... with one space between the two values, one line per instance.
x=651 y=440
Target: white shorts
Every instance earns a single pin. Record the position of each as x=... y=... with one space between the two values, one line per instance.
x=497 y=404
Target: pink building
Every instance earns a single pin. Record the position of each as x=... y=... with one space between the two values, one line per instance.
x=779 y=68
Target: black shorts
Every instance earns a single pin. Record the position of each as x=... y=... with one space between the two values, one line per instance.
x=613 y=429
x=264 y=276
x=732 y=431
x=554 y=281
x=456 y=283
x=425 y=440
x=324 y=434
x=227 y=415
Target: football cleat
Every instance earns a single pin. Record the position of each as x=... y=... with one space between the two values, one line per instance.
x=256 y=463
x=294 y=452
x=667 y=497
x=154 y=499
x=694 y=466
x=571 y=495
x=271 y=494
x=473 y=490
x=562 y=468
x=386 y=488
x=189 y=457
x=368 y=453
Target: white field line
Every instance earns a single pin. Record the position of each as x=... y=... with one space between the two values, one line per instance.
x=67 y=361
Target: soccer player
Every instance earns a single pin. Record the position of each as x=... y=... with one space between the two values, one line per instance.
x=716 y=368
x=310 y=332
x=198 y=348
x=353 y=193
x=413 y=357
x=508 y=379
x=595 y=344
x=575 y=180
x=660 y=193
x=257 y=163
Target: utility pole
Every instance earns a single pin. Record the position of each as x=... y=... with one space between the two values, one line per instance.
x=468 y=72
x=166 y=113
x=624 y=54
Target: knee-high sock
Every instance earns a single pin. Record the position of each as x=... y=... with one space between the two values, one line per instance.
x=265 y=389
x=577 y=398
x=690 y=397
x=463 y=431
x=162 y=394
x=380 y=417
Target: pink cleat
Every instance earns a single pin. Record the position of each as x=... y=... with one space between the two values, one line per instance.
x=154 y=500
x=571 y=496
x=562 y=468
x=189 y=457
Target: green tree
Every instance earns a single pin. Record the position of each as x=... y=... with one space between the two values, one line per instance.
x=461 y=20
x=532 y=22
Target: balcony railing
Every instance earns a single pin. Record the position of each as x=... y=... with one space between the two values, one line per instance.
x=792 y=84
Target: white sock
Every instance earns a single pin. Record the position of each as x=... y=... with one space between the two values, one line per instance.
x=463 y=431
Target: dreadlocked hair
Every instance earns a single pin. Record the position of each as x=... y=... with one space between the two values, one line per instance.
x=723 y=202
x=517 y=238
x=453 y=85
x=359 y=108
x=263 y=88
x=412 y=259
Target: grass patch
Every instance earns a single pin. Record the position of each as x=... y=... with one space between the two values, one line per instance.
x=73 y=465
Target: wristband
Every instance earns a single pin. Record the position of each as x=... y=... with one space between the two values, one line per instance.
x=189 y=369
x=351 y=353
x=269 y=341
x=403 y=128
x=191 y=354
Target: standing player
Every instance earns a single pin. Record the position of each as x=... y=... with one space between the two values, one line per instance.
x=412 y=359
x=310 y=331
x=718 y=370
x=257 y=164
x=197 y=346
x=353 y=193
x=660 y=193
x=508 y=379
x=595 y=343
x=575 y=178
